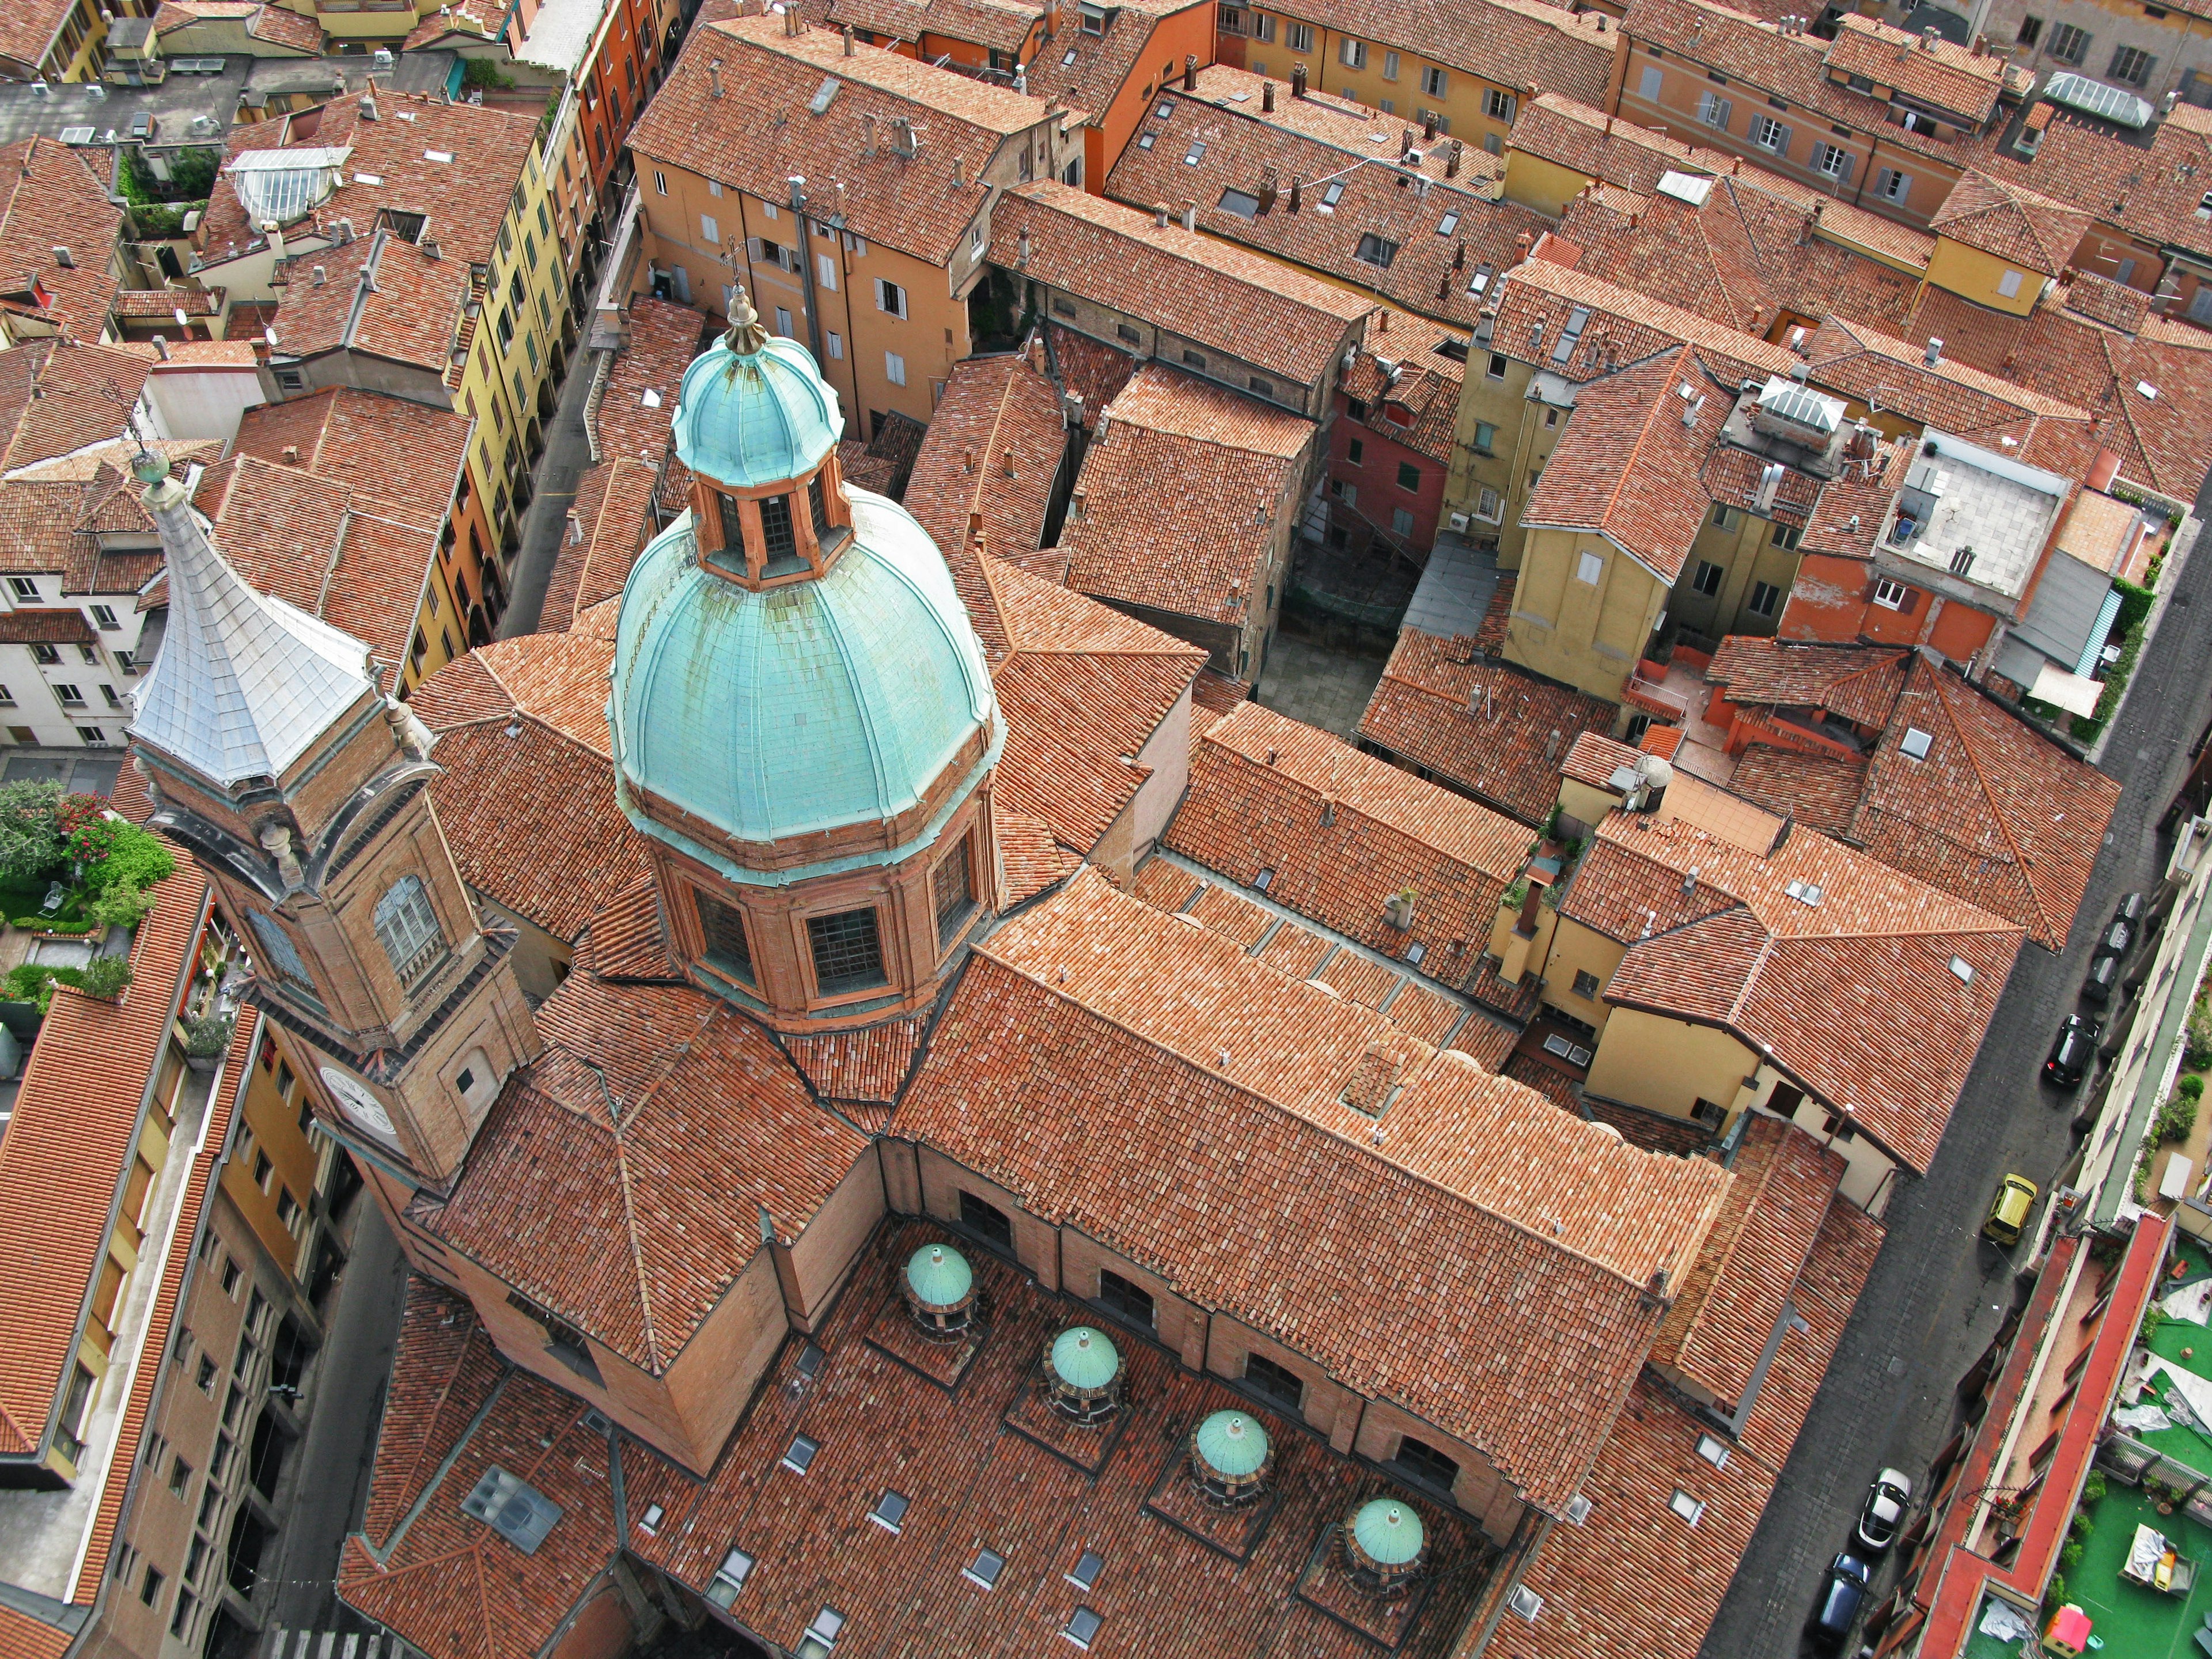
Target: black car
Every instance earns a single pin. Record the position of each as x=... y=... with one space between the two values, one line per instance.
x=1842 y=1595
x=2070 y=1054
x=2104 y=977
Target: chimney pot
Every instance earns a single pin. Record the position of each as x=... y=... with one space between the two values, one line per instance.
x=849 y=40
x=1298 y=80
x=1160 y=216
x=291 y=455
x=321 y=275
x=1266 y=97
x=64 y=258
x=1190 y=71
x=1934 y=355
x=1012 y=470
x=1298 y=188
x=714 y=90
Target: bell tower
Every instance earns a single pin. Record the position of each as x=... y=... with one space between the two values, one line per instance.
x=803 y=725
x=302 y=789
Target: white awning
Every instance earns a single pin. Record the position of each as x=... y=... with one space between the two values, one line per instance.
x=2076 y=694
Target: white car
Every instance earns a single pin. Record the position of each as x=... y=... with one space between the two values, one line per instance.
x=1884 y=1515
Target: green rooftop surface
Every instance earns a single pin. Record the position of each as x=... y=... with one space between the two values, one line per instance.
x=2184 y=1442
x=2135 y=1622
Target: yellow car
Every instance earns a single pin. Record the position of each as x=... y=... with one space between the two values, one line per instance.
x=2010 y=1209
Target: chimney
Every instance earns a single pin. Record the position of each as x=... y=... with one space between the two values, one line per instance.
x=1769 y=485
x=714 y=90
x=1298 y=80
x=1022 y=251
x=968 y=460
x=1075 y=502
x=793 y=24
x=1521 y=245
x=1459 y=257
x=1190 y=214
x=959 y=172
x=868 y=122
x=1160 y=216
x=430 y=248
x=1934 y=355
x=368 y=279
x=1981 y=46
x=1268 y=191
x=64 y=258
x=1429 y=127
x=322 y=276
x=368 y=102
x=1266 y=97
x=1297 y=187
x=161 y=348
x=1190 y=72
x=1014 y=469
x=1529 y=901
x=1383 y=321
x=1451 y=158
x=291 y=455
x=849 y=40
x=1928 y=39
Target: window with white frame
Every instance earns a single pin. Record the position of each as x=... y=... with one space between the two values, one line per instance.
x=1831 y=160
x=1715 y=110
x=891 y=298
x=895 y=368
x=407 y=927
x=1891 y=186
x=1488 y=507
x=1299 y=37
x=1770 y=134
x=1890 y=595
x=1499 y=106
x=1353 y=54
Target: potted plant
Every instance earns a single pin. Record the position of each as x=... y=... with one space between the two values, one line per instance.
x=207 y=1039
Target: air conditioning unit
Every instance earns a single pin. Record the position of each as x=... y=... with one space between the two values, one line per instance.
x=1458 y=523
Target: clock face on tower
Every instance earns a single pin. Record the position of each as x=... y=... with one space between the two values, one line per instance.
x=357 y=1103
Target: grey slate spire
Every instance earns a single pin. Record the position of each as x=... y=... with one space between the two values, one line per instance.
x=244 y=683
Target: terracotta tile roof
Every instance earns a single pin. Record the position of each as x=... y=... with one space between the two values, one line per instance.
x=1341 y=832
x=2011 y=222
x=1177 y=524
x=1635 y=1581
x=860 y=1065
x=977 y=1099
x=1031 y=858
x=1537 y=298
x=1523 y=44
x=908 y=203
x=1738 y=1290
x=1239 y=148
x=32 y=1639
x=2141 y=191
x=1628 y=468
x=1626 y=897
x=166 y=302
x=1586 y=139
x=1087 y=72
x=1424 y=382
x=45 y=627
x=1934 y=71
x=1822 y=791
x=1484 y=726
x=356 y=560
x=1593 y=758
x=412 y=315
x=1859 y=682
x=981 y=1472
x=1000 y=25
x=612 y=521
x=1278 y=320
x=522 y=734
x=282 y=27
x=619 y=1180
x=1892 y=377
x=1820 y=989
x=626 y=940
x=664 y=338
x=1083 y=689
x=447 y=1582
x=1756 y=52
x=52 y=197
x=393 y=448
x=1161 y=398
x=1090 y=369
x=78 y=385
x=995 y=412
x=1997 y=814
x=67 y=1151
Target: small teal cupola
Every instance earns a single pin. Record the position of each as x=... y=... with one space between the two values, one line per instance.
x=1231 y=1457
x=939 y=1287
x=1083 y=1374
x=1383 y=1543
x=801 y=717
x=753 y=411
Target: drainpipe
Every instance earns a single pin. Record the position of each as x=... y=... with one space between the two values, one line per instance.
x=806 y=264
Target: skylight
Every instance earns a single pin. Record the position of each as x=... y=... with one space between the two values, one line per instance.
x=1526 y=1602
x=801 y=1453
x=889 y=1511
x=1083 y=1626
x=985 y=1569
x=1691 y=1510
x=1242 y=202
x=1917 y=743
x=1713 y=1450
x=1087 y=1569
x=821 y=1637
x=1195 y=153
x=514 y=1509
x=730 y=1578
x=1964 y=970
x=1449 y=224
x=649 y=1523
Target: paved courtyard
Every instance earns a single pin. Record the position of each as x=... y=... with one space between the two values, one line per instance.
x=1322 y=686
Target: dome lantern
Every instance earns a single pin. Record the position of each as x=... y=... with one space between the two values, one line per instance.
x=1384 y=1545
x=939 y=1287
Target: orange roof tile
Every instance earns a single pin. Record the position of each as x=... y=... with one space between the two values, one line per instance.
x=2011 y=222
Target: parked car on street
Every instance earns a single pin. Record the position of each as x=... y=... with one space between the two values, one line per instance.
x=1842 y=1595
x=2073 y=1050
x=1884 y=1515
x=2010 y=1209
x=2104 y=978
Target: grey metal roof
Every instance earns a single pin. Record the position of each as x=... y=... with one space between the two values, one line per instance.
x=282 y=185
x=244 y=683
x=1801 y=405
x=2062 y=619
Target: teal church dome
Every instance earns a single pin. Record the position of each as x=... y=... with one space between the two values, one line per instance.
x=939 y=1276
x=791 y=710
x=1085 y=1358
x=1233 y=1444
x=1387 y=1531
x=749 y=418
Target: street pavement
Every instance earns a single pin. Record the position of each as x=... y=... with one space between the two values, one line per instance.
x=1939 y=1292
x=567 y=453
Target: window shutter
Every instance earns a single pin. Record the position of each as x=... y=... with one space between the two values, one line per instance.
x=1851 y=164
x=1910 y=602
x=1782 y=142
x=754 y=248
x=1648 y=84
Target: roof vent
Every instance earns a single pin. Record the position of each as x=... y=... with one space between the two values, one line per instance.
x=514 y=1509
x=1917 y=743
x=1083 y=1374
x=1384 y=1546
x=1230 y=1459
x=1526 y=1602
x=939 y=1288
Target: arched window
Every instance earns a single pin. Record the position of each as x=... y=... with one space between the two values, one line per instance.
x=279 y=958
x=407 y=927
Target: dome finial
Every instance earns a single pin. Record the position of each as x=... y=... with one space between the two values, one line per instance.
x=746 y=335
